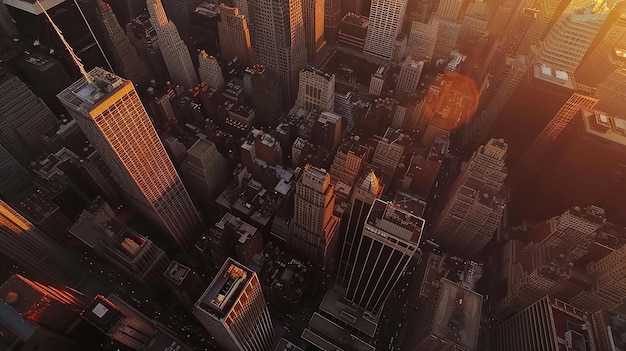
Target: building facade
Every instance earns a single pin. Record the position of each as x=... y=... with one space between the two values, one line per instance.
x=385 y=22
x=313 y=228
x=234 y=311
x=173 y=48
x=109 y=112
x=389 y=241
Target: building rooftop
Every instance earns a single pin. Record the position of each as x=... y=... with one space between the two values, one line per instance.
x=225 y=289
x=85 y=96
x=554 y=76
x=102 y=313
x=31 y=6
x=335 y=304
x=318 y=72
x=605 y=126
x=176 y=272
x=392 y=219
x=457 y=315
x=284 y=345
x=329 y=336
x=355 y=20
x=200 y=148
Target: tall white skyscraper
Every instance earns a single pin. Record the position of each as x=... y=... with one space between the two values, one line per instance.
x=109 y=112
x=386 y=19
x=278 y=40
x=174 y=51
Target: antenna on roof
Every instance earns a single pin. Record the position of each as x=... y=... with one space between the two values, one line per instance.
x=76 y=59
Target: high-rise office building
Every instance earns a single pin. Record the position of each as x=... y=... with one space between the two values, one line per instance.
x=313 y=13
x=385 y=23
x=230 y=237
x=23 y=118
x=361 y=202
x=234 y=311
x=173 y=48
x=348 y=161
x=14 y=178
x=549 y=324
x=210 y=70
x=332 y=19
x=410 y=73
x=125 y=59
x=568 y=41
x=388 y=152
x=450 y=9
x=389 y=241
x=278 y=40
x=179 y=11
x=607 y=51
x=143 y=37
x=313 y=228
x=24 y=245
x=109 y=112
x=448 y=32
x=206 y=170
x=422 y=39
x=476 y=202
x=316 y=90
x=53 y=307
x=234 y=35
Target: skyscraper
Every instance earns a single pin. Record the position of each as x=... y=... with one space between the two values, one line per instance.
x=108 y=110
x=568 y=41
x=386 y=19
x=332 y=19
x=210 y=70
x=234 y=35
x=173 y=48
x=476 y=202
x=410 y=73
x=608 y=49
x=234 y=311
x=313 y=12
x=316 y=90
x=390 y=238
x=27 y=247
x=23 y=118
x=549 y=324
x=313 y=228
x=125 y=58
x=179 y=11
x=361 y=202
x=450 y=9
x=143 y=37
x=278 y=40
x=206 y=170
